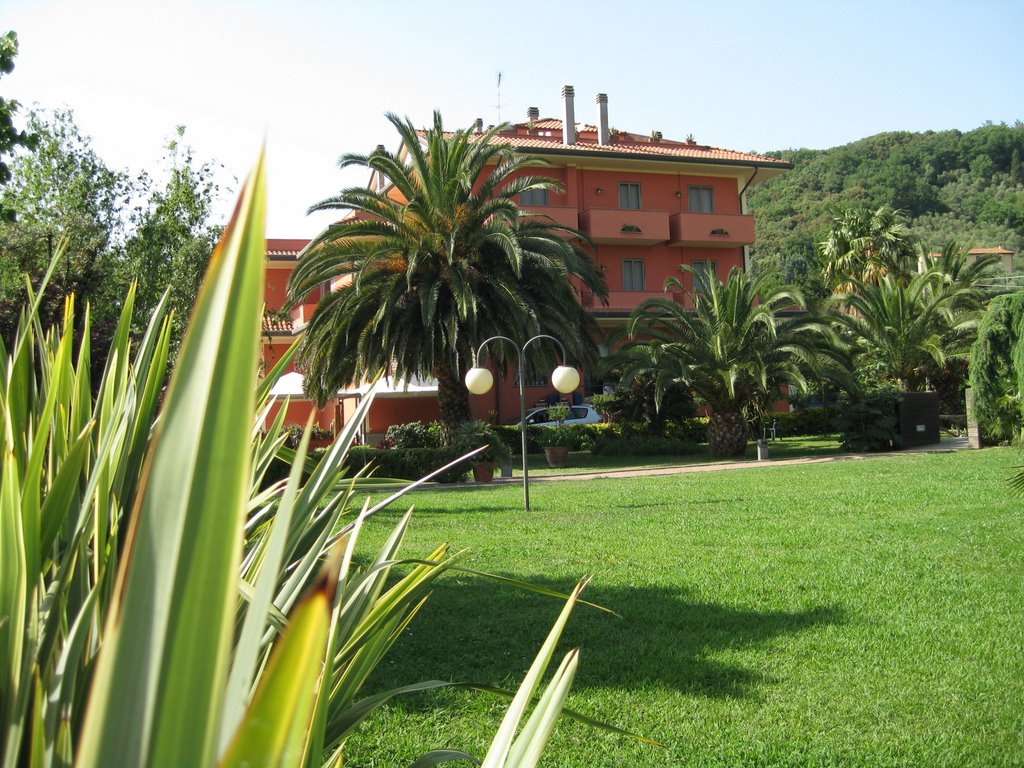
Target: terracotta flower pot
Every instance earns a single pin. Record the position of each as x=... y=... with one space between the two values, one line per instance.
x=483 y=471
x=556 y=455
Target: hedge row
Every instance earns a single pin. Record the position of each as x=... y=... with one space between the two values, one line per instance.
x=398 y=463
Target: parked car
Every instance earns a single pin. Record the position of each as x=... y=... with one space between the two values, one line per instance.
x=578 y=414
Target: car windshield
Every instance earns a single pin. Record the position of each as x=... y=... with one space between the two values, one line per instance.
x=540 y=416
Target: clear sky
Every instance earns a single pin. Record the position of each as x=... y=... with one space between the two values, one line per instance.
x=315 y=78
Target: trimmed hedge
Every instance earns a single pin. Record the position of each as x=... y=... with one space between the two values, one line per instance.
x=641 y=445
x=398 y=463
x=408 y=463
x=414 y=434
x=871 y=423
x=806 y=421
x=510 y=436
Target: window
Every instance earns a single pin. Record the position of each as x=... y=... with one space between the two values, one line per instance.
x=702 y=199
x=533 y=197
x=629 y=195
x=703 y=273
x=531 y=377
x=632 y=274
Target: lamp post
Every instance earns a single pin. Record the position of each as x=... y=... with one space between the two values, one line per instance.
x=479 y=380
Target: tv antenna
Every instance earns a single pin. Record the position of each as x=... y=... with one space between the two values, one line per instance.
x=499 y=96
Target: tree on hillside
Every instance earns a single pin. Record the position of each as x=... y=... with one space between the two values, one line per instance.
x=734 y=350
x=864 y=246
x=10 y=137
x=434 y=261
x=950 y=184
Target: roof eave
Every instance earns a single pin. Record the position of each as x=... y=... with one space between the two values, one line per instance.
x=780 y=165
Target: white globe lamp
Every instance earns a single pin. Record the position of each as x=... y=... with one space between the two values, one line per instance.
x=479 y=380
x=564 y=378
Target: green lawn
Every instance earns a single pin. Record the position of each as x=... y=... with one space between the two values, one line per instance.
x=584 y=461
x=866 y=612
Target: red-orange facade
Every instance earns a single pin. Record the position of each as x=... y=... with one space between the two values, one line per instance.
x=649 y=205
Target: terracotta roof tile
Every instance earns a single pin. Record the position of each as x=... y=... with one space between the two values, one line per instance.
x=272 y=324
x=281 y=247
x=998 y=251
x=634 y=146
x=628 y=143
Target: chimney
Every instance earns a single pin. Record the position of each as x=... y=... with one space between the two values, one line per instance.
x=377 y=174
x=569 y=123
x=602 y=118
x=479 y=125
x=532 y=114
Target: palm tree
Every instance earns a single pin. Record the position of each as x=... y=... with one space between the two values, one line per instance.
x=906 y=330
x=975 y=280
x=435 y=259
x=866 y=246
x=734 y=350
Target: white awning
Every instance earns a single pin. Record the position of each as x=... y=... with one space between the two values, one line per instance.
x=290 y=385
x=391 y=387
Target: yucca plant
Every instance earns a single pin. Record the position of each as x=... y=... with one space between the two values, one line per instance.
x=157 y=605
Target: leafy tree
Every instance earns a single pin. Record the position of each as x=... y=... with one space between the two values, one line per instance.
x=173 y=236
x=10 y=136
x=63 y=193
x=436 y=260
x=112 y=229
x=644 y=396
x=865 y=246
x=734 y=350
x=997 y=368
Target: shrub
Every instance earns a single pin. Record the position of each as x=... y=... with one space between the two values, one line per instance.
x=560 y=437
x=692 y=430
x=869 y=423
x=806 y=421
x=415 y=434
x=202 y=627
x=509 y=435
x=472 y=434
x=407 y=463
x=641 y=445
x=635 y=403
x=295 y=435
x=997 y=369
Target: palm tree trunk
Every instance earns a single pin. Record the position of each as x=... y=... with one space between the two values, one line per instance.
x=452 y=401
x=727 y=434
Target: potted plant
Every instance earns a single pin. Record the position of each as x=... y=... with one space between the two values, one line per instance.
x=557 y=441
x=473 y=434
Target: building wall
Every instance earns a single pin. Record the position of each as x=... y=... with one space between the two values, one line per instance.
x=583 y=189
x=275 y=290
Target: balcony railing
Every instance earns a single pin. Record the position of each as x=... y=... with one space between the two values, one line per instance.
x=623 y=226
x=721 y=230
x=627 y=301
x=563 y=215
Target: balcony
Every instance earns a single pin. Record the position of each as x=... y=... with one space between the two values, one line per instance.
x=623 y=226
x=563 y=215
x=711 y=230
x=302 y=313
x=627 y=301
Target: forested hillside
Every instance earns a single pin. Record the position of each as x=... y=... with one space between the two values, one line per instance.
x=950 y=185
